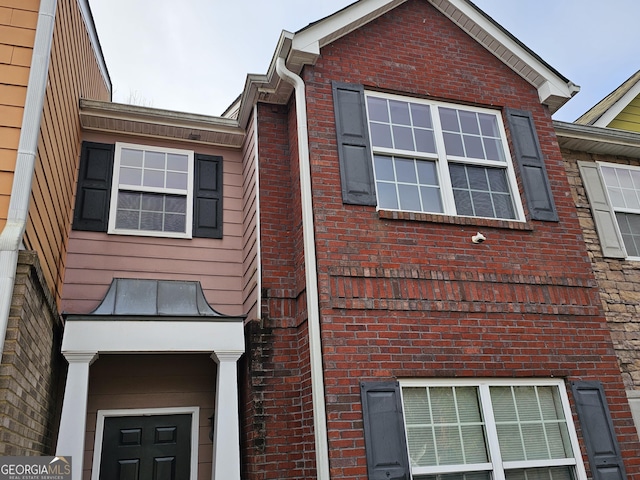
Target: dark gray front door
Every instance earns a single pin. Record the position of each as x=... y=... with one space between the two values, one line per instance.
x=156 y=447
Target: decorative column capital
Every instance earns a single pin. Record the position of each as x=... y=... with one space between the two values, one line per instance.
x=226 y=356
x=81 y=357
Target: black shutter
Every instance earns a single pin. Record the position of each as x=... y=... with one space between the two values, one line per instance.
x=354 y=150
x=531 y=162
x=207 y=197
x=94 y=187
x=597 y=429
x=385 y=441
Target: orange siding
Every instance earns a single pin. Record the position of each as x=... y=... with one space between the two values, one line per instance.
x=18 y=20
x=250 y=233
x=73 y=74
x=153 y=381
x=95 y=258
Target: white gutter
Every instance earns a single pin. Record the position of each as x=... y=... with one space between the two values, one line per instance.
x=315 y=346
x=11 y=237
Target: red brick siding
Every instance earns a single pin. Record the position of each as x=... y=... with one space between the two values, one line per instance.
x=416 y=298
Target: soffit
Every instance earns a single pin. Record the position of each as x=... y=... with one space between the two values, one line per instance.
x=599 y=140
x=118 y=118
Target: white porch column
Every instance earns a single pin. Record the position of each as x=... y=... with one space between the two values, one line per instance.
x=74 y=410
x=226 y=429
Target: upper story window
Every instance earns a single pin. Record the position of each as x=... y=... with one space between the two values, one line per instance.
x=435 y=157
x=623 y=189
x=145 y=190
x=152 y=191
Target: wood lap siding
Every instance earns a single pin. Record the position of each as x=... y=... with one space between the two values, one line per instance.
x=73 y=74
x=250 y=234
x=18 y=20
x=95 y=258
x=629 y=118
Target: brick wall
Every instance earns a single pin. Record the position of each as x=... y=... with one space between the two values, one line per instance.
x=31 y=365
x=406 y=296
x=618 y=280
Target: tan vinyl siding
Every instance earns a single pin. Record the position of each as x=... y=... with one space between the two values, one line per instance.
x=18 y=20
x=250 y=233
x=629 y=118
x=95 y=258
x=153 y=381
x=73 y=74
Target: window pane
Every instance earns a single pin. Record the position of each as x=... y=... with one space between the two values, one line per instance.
x=535 y=442
x=473 y=147
x=409 y=198
x=177 y=162
x=427 y=174
x=130 y=176
x=609 y=176
x=153 y=203
x=549 y=473
x=511 y=446
x=463 y=202
x=174 y=223
x=131 y=158
x=406 y=170
x=421 y=115
x=631 y=199
x=469 y=122
x=449 y=445
x=457 y=476
x=489 y=125
x=635 y=175
x=153 y=178
x=449 y=119
x=422 y=451
x=477 y=178
x=384 y=168
x=399 y=112
x=431 y=200
x=128 y=220
x=381 y=135
x=617 y=199
x=154 y=160
x=482 y=205
x=458 y=176
x=498 y=180
x=175 y=204
x=129 y=200
x=403 y=138
x=527 y=403
x=387 y=196
x=503 y=206
x=624 y=177
x=493 y=149
x=453 y=144
x=177 y=180
x=424 y=141
x=629 y=225
x=377 y=109
x=151 y=221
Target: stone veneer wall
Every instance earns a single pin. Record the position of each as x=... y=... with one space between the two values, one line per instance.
x=619 y=280
x=31 y=365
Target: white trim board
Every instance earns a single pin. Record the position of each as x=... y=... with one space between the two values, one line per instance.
x=138 y=412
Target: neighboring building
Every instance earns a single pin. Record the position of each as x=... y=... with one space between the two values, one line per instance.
x=49 y=59
x=602 y=158
x=370 y=266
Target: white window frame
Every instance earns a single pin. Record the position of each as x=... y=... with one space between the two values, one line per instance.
x=116 y=188
x=614 y=210
x=140 y=412
x=440 y=157
x=495 y=465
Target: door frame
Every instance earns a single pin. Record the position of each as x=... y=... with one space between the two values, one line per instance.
x=142 y=412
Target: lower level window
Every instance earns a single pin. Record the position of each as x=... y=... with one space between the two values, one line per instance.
x=490 y=429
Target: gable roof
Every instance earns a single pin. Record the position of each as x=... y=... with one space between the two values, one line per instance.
x=303 y=48
x=605 y=111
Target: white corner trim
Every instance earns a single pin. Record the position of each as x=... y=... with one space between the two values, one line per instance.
x=102 y=414
x=614 y=110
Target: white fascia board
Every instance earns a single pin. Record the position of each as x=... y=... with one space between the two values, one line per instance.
x=122 y=336
x=554 y=85
x=312 y=39
x=614 y=110
x=87 y=17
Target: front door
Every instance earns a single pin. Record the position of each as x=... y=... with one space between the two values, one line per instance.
x=154 y=447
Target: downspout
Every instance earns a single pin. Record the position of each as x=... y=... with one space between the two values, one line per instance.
x=11 y=237
x=315 y=346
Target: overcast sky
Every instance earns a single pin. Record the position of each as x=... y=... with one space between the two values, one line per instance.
x=194 y=55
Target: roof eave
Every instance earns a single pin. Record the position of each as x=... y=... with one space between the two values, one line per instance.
x=598 y=140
